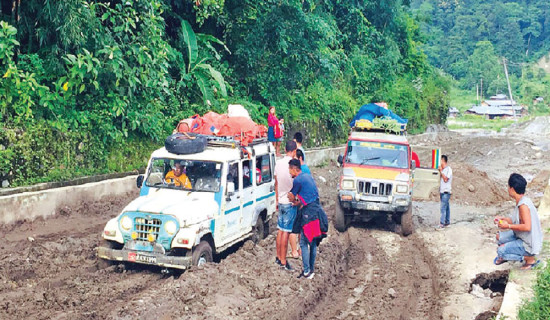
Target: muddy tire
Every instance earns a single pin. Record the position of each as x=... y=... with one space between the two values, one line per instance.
x=202 y=253
x=258 y=230
x=104 y=263
x=189 y=143
x=407 y=227
x=341 y=222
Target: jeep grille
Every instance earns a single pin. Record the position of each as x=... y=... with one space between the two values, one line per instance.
x=144 y=227
x=374 y=189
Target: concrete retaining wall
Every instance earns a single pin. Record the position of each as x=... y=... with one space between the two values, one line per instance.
x=316 y=157
x=44 y=203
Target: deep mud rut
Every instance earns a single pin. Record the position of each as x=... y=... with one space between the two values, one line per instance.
x=49 y=270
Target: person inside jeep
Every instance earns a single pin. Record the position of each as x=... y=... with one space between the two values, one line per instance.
x=178 y=177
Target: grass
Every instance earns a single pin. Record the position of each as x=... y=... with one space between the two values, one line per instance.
x=469 y=121
x=539 y=306
x=462 y=99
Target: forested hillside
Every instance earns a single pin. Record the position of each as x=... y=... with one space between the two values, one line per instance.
x=93 y=86
x=469 y=38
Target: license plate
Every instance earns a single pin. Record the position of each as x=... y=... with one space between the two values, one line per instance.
x=138 y=257
x=373 y=207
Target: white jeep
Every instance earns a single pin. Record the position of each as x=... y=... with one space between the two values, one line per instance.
x=231 y=198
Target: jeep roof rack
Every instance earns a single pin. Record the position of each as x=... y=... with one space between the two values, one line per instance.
x=230 y=141
x=380 y=125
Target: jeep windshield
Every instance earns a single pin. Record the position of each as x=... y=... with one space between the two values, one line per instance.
x=192 y=175
x=377 y=154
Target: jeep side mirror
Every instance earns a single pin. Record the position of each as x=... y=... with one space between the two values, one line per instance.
x=139 y=181
x=340 y=159
x=413 y=164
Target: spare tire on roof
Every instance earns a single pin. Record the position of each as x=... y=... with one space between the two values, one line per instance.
x=185 y=143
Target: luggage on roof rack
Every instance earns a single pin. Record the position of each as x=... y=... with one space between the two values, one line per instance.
x=377 y=117
x=240 y=128
x=380 y=125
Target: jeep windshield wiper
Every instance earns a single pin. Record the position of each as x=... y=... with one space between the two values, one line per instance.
x=369 y=159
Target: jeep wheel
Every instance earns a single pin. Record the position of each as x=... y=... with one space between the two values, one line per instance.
x=104 y=263
x=185 y=143
x=407 y=227
x=341 y=222
x=202 y=254
x=258 y=230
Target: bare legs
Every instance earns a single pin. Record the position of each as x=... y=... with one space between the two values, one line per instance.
x=282 y=245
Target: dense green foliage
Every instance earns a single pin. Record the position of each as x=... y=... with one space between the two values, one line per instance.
x=86 y=80
x=539 y=306
x=468 y=39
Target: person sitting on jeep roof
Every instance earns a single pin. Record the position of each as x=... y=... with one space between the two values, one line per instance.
x=178 y=177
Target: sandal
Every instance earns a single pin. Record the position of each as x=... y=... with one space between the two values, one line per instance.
x=529 y=266
x=498 y=261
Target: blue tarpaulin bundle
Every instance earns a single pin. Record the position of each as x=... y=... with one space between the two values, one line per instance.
x=371 y=111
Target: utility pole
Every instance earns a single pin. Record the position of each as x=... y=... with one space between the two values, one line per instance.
x=509 y=88
x=477 y=93
x=481 y=91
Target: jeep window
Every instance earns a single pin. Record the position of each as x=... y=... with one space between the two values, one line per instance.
x=263 y=169
x=233 y=174
x=192 y=175
x=377 y=154
x=247 y=174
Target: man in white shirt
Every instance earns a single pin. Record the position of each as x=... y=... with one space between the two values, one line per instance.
x=287 y=212
x=445 y=192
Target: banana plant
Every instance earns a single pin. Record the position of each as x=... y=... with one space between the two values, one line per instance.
x=198 y=69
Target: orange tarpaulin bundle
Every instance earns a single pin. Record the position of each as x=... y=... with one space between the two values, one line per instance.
x=241 y=128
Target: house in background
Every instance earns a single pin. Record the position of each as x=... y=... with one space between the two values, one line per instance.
x=538 y=100
x=453 y=112
x=490 y=112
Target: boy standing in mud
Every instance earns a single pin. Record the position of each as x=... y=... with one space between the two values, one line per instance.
x=521 y=235
x=445 y=192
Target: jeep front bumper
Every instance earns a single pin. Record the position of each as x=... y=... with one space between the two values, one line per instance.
x=150 y=258
x=390 y=204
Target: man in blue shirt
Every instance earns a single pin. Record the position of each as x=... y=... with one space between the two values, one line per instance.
x=305 y=195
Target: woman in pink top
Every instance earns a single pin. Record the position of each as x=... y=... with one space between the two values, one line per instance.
x=272 y=121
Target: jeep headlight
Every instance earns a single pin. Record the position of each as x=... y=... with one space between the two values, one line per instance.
x=348 y=184
x=170 y=227
x=126 y=223
x=402 y=188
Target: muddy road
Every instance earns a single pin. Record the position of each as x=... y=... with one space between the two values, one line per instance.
x=49 y=269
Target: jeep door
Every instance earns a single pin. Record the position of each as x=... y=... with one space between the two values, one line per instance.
x=425 y=182
x=248 y=196
x=425 y=179
x=232 y=215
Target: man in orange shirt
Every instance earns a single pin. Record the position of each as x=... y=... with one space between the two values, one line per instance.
x=178 y=177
